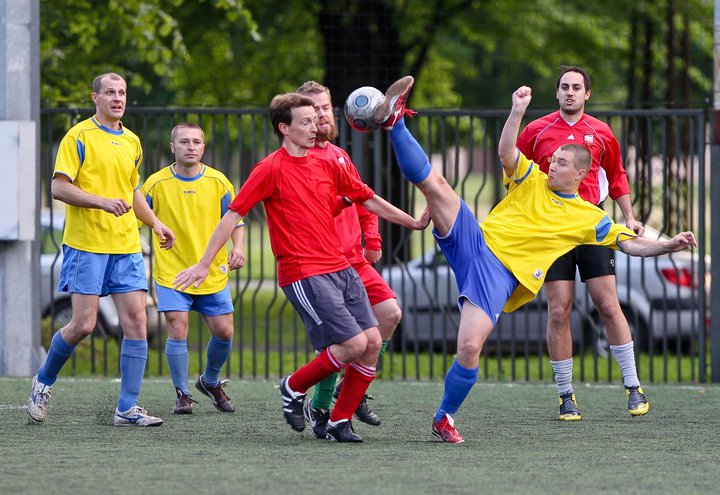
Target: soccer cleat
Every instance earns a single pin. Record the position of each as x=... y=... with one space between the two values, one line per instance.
x=568 y=408
x=637 y=402
x=218 y=396
x=317 y=418
x=343 y=432
x=183 y=403
x=292 y=407
x=393 y=108
x=135 y=416
x=445 y=430
x=38 y=400
x=362 y=412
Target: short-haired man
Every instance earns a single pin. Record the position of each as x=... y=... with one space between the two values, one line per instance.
x=190 y=197
x=354 y=225
x=300 y=194
x=96 y=176
x=500 y=264
x=538 y=141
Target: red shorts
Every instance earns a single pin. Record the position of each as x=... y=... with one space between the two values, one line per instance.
x=377 y=289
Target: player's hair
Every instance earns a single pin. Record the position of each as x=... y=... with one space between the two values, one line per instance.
x=281 y=109
x=582 y=158
x=564 y=69
x=97 y=82
x=313 y=87
x=185 y=125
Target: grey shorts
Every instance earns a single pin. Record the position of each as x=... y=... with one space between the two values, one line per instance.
x=334 y=307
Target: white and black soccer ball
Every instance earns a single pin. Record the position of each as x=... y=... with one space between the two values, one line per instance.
x=360 y=107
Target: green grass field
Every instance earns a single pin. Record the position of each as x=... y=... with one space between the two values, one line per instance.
x=514 y=444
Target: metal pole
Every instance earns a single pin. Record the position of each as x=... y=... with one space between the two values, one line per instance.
x=715 y=205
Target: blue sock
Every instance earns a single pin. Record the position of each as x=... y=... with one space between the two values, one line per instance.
x=58 y=354
x=133 y=356
x=458 y=382
x=178 y=359
x=218 y=351
x=411 y=158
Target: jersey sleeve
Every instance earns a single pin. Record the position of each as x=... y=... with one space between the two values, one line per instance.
x=227 y=198
x=351 y=186
x=612 y=164
x=610 y=234
x=256 y=188
x=525 y=141
x=70 y=157
x=524 y=168
x=368 y=221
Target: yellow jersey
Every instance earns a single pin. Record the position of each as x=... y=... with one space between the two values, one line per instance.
x=104 y=162
x=534 y=225
x=192 y=208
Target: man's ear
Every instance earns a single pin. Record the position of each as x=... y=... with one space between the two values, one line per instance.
x=172 y=148
x=283 y=128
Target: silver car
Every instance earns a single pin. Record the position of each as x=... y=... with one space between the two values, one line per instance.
x=659 y=296
x=57 y=306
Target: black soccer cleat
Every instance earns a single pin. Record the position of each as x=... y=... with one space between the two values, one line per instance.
x=292 y=407
x=638 y=404
x=568 y=408
x=343 y=432
x=363 y=411
x=317 y=418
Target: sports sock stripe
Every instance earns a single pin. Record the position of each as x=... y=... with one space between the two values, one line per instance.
x=302 y=298
x=365 y=370
x=333 y=359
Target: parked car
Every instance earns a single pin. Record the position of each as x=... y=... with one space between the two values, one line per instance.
x=57 y=304
x=659 y=296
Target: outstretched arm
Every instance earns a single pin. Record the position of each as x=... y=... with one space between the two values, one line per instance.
x=146 y=215
x=506 y=146
x=388 y=212
x=642 y=246
x=196 y=274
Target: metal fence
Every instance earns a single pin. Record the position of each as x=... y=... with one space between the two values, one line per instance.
x=665 y=299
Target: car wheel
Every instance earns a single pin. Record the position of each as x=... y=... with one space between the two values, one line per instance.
x=597 y=334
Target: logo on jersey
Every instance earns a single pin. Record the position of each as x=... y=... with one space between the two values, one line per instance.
x=538 y=274
x=571 y=138
x=557 y=202
x=223 y=268
x=115 y=143
x=189 y=191
x=589 y=138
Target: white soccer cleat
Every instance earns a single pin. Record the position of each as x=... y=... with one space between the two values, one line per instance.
x=135 y=416
x=38 y=400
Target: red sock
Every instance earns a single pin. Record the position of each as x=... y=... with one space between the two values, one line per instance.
x=355 y=384
x=322 y=366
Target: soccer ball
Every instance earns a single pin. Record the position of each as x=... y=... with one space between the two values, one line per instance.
x=360 y=107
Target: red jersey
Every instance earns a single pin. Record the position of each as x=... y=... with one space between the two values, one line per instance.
x=300 y=198
x=355 y=222
x=542 y=137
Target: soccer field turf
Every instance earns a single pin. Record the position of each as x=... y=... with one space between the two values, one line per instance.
x=514 y=443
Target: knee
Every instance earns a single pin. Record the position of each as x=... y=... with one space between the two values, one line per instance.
x=559 y=312
x=374 y=343
x=389 y=321
x=609 y=308
x=85 y=327
x=468 y=352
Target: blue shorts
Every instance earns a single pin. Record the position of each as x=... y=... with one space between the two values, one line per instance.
x=480 y=277
x=219 y=303
x=334 y=307
x=101 y=274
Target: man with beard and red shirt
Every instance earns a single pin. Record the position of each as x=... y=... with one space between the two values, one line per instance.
x=300 y=193
x=353 y=224
x=607 y=177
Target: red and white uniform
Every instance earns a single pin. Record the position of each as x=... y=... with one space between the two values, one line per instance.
x=607 y=176
x=352 y=224
x=300 y=198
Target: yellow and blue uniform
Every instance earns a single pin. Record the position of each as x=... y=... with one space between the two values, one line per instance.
x=534 y=225
x=103 y=162
x=192 y=208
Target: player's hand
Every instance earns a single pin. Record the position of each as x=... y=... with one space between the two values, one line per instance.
x=424 y=220
x=165 y=234
x=372 y=256
x=236 y=259
x=636 y=227
x=682 y=241
x=117 y=207
x=521 y=98
x=195 y=275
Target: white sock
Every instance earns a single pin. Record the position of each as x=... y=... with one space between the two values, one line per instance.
x=563 y=375
x=625 y=357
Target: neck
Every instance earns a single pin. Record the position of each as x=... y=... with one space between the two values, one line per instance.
x=294 y=149
x=571 y=117
x=321 y=144
x=113 y=124
x=187 y=170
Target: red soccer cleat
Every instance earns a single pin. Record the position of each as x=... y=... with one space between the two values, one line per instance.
x=393 y=108
x=445 y=430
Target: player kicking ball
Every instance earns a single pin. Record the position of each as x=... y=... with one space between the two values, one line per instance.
x=500 y=264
